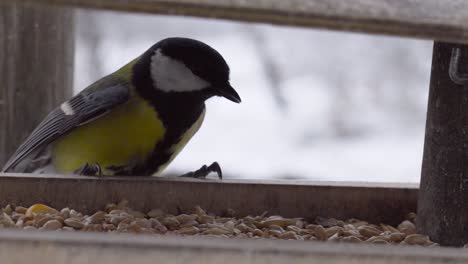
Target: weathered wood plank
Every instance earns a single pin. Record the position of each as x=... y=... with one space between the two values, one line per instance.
x=36 y=68
x=373 y=202
x=76 y=247
x=430 y=19
x=442 y=212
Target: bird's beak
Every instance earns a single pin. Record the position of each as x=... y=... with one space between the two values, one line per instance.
x=228 y=92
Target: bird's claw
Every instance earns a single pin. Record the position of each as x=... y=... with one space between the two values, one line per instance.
x=204 y=171
x=89 y=170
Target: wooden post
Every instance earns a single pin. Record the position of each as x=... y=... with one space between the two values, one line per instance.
x=443 y=196
x=36 y=67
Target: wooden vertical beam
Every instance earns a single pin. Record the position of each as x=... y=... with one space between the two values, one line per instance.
x=443 y=195
x=36 y=67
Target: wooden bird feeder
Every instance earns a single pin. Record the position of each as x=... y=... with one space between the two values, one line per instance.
x=36 y=58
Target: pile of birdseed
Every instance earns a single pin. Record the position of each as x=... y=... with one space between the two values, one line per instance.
x=121 y=218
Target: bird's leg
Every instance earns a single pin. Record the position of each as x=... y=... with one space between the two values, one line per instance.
x=204 y=171
x=89 y=170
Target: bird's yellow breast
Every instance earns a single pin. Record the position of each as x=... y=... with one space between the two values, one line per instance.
x=126 y=135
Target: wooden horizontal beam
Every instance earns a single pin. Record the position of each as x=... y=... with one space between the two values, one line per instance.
x=76 y=247
x=377 y=203
x=429 y=19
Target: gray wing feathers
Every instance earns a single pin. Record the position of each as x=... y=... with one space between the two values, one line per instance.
x=82 y=108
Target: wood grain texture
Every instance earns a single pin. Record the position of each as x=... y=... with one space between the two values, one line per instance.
x=442 y=208
x=36 y=64
x=430 y=19
x=384 y=203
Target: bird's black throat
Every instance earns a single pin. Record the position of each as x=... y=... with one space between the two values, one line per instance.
x=178 y=111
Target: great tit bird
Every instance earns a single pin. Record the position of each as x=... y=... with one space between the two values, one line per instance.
x=133 y=121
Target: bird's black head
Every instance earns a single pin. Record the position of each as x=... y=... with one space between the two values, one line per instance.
x=182 y=65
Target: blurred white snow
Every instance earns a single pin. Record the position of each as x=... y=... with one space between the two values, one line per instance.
x=317 y=105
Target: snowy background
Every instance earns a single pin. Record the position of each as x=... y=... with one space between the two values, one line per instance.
x=317 y=105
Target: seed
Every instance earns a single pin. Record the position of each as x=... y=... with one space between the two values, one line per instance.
x=58 y=218
x=407 y=227
x=349 y=227
x=184 y=218
x=170 y=222
x=229 y=225
x=118 y=212
x=158 y=227
x=74 y=222
x=218 y=226
x=334 y=230
x=374 y=238
x=142 y=223
x=6 y=221
x=397 y=237
x=189 y=224
x=216 y=231
x=334 y=237
x=289 y=235
x=368 y=231
x=199 y=211
x=206 y=219
x=244 y=228
x=117 y=219
x=20 y=209
x=283 y=222
x=222 y=220
x=379 y=241
x=65 y=212
x=20 y=221
x=40 y=209
x=275 y=233
x=293 y=229
x=75 y=214
x=389 y=228
x=320 y=233
x=96 y=218
x=108 y=227
x=351 y=239
x=93 y=228
x=51 y=225
x=257 y=232
x=188 y=231
x=358 y=224
x=123 y=227
x=276 y=227
x=416 y=239
x=15 y=216
x=40 y=220
x=8 y=209
x=311 y=226
x=351 y=233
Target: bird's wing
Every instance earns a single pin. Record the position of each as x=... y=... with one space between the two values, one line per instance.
x=81 y=109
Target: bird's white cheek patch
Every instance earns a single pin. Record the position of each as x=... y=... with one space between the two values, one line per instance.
x=67 y=109
x=171 y=75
